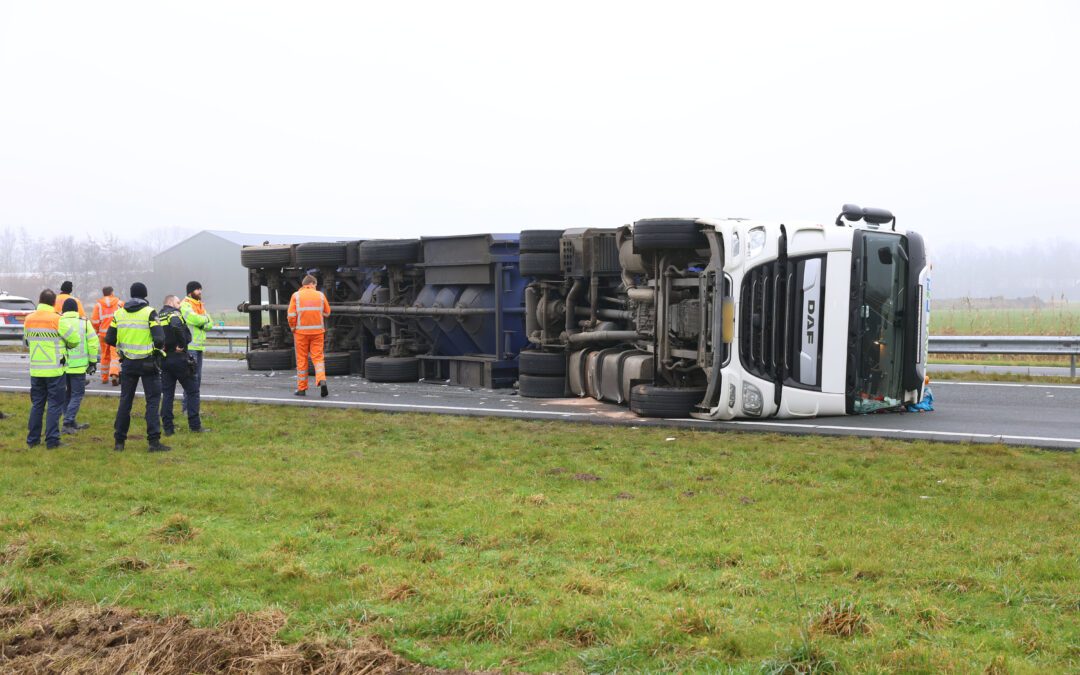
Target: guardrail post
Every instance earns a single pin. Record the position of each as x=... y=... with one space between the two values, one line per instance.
x=1072 y=365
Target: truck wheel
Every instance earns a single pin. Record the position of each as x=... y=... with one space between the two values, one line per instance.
x=648 y=400
x=392 y=369
x=321 y=253
x=262 y=257
x=336 y=363
x=377 y=252
x=539 y=241
x=664 y=233
x=542 y=363
x=542 y=386
x=271 y=359
x=540 y=264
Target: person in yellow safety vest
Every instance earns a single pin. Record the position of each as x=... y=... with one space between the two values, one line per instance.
x=81 y=360
x=138 y=339
x=101 y=318
x=198 y=322
x=47 y=355
x=65 y=292
x=308 y=310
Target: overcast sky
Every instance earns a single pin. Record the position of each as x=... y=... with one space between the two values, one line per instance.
x=397 y=118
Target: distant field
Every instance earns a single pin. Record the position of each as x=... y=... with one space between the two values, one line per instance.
x=513 y=545
x=1055 y=320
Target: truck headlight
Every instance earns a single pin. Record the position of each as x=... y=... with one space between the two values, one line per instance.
x=752 y=401
x=755 y=242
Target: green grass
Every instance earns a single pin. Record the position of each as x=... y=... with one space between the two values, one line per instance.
x=488 y=544
x=1050 y=320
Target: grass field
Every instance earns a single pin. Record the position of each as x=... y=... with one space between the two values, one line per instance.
x=486 y=543
x=1051 y=320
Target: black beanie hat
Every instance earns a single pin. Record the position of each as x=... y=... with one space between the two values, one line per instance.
x=193 y=286
x=66 y=287
x=70 y=305
x=138 y=290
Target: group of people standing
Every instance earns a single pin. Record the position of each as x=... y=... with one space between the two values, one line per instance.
x=133 y=342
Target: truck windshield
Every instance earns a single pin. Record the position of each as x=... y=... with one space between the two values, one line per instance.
x=879 y=275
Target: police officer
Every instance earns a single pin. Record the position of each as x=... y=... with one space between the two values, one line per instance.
x=138 y=340
x=179 y=367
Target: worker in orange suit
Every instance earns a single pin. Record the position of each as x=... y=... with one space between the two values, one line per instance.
x=101 y=318
x=66 y=289
x=308 y=310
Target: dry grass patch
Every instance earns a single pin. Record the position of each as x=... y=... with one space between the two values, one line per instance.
x=841 y=618
x=176 y=529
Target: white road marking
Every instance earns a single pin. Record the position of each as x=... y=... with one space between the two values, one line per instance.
x=884 y=430
x=335 y=403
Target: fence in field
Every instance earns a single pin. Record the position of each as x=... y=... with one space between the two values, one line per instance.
x=1038 y=345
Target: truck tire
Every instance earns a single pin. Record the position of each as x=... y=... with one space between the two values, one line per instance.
x=649 y=400
x=321 y=254
x=271 y=359
x=666 y=233
x=389 y=252
x=336 y=363
x=540 y=265
x=542 y=386
x=542 y=363
x=539 y=241
x=262 y=257
x=392 y=369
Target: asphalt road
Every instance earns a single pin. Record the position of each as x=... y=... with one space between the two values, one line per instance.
x=1020 y=414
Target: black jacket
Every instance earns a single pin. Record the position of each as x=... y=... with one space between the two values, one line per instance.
x=134 y=305
x=177 y=333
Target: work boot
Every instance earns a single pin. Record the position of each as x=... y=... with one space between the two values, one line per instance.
x=31 y=446
x=300 y=392
x=157 y=446
x=54 y=446
x=118 y=446
x=167 y=432
x=324 y=391
x=69 y=429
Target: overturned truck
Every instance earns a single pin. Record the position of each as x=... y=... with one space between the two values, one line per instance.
x=674 y=317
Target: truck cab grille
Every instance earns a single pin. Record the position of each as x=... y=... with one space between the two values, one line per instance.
x=764 y=311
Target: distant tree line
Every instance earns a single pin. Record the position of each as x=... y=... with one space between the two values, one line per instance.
x=29 y=263
x=1048 y=271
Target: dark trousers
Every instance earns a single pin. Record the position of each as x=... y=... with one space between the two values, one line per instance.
x=176 y=370
x=76 y=389
x=51 y=391
x=198 y=379
x=131 y=372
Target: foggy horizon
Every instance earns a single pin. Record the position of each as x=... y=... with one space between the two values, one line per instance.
x=386 y=121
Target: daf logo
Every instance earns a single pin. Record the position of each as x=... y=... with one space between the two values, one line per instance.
x=810 y=323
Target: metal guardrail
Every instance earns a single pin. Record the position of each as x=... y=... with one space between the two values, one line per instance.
x=1038 y=345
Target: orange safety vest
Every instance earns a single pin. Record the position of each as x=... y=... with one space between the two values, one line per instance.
x=59 y=305
x=104 y=309
x=307 y=309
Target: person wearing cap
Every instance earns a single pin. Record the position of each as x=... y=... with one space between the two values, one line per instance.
x=177 y=368
x=66 y=289
x=198 y=322
x=47 y=356
x=308 y=310
x=138 y=339
x=81 y=359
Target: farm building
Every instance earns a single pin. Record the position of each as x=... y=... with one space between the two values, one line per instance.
x=211 y=257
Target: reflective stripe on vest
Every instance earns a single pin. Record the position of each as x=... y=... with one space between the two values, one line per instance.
x=46 y=352
x=76 y=356
x=301 y=308
x=133 y=338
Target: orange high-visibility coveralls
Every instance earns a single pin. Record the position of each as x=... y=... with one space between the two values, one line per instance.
x=308 y=310
x=101 y=318
x=59 y=304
